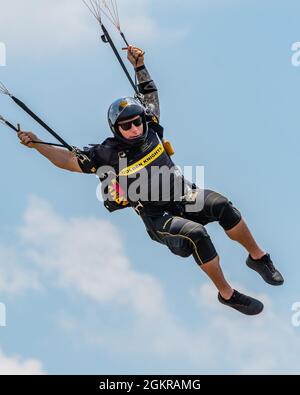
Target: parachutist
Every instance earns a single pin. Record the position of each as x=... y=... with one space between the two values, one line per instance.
x=139 y=139
x=136 y=148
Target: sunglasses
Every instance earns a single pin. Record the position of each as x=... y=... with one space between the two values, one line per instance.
x=128 y=125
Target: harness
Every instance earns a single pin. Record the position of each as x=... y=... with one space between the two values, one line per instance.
x=115 y=190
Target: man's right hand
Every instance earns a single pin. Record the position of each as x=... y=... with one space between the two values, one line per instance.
x=26 y=138
x=61 y=158
x=135 y=56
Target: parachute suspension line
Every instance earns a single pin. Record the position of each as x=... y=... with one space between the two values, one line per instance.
x=109 y=14
x=4 y=90
x=109 y=18
x=115 y=8
x=112 y=10
x=92 y=5
x=41 y=122
x=109 y=40
x=95 y=8
x=112 y=13
x=109 y=10
x=11 y=126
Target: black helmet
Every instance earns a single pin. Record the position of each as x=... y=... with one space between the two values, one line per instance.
x=126 y=108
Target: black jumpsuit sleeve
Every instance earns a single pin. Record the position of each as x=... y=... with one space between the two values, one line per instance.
x=95 y=158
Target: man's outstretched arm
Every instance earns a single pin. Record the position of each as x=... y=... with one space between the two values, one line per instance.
x=146 y=85
x=59 y=157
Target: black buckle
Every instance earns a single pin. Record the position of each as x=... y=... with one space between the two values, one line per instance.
x=80 y=156
x=104 y=38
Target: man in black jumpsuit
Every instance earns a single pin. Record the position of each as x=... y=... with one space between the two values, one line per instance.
x=137 y=152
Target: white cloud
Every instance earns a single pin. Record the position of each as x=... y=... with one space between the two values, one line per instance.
x=223 y=342
x=138 y=23
x=263 y=344
x=17 y=365
x=15 y=278
x=46 y=28
x=87 y=255
x=145 y=29
x=42 y=26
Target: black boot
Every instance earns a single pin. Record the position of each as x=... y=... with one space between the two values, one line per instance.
x=264 y=266
x=243 y=303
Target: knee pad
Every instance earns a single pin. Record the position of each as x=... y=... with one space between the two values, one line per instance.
x=194 y=231
x=179 y=245
x=230 y=216
x=184 y=238
x=203 y=248
x=220 y=208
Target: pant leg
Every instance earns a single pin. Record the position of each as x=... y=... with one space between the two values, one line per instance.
x=184 y=237
x=215 y=207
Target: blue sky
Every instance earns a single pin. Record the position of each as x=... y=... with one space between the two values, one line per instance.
x=89 y=292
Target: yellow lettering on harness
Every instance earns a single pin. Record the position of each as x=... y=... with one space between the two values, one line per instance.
x=145 y=161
